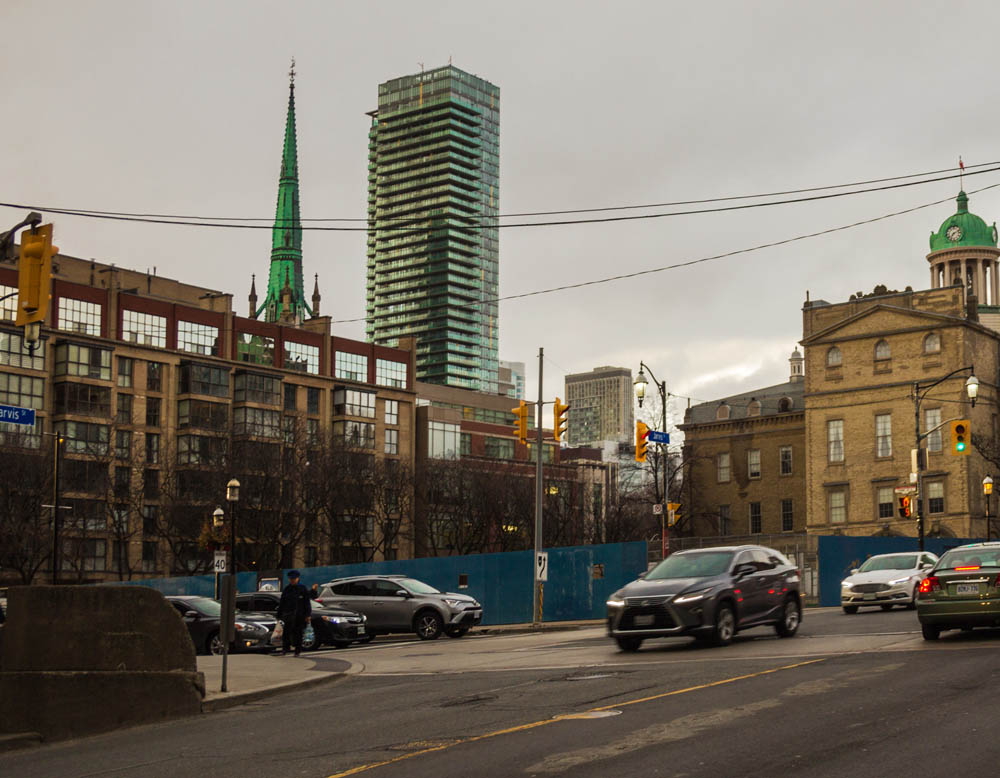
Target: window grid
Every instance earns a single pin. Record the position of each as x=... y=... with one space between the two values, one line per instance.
x=392 y=411
x=755 y=518
x=255 y=349
x=84 y=361
x=935 y=497
x=786 y=460
x=153 y=448
x=753 y=463
x=443 y=440
x=883 y=435
x=352 y=402
x=8 y=307
x=392 y=441
x=838 y=507
x=13 y=352
x=79 y=316
x=882 y=350
x=351 y=367
x=198 y=338
x=722 y=468
x=22 y=436
x=312 y=399
x=82 y=437
x=932 y=418
x=932 y=343
x=154 y=376
x=725 y=522
x=357 y=434
x=22 y=391
x=301 y=357
x=833 y=357
x=126 y=367
x=390 y=373
x=254 y=388
x=886 y=498
x=835 y=440
x=145 y=328
x=260 y=422
x=124 y=414
x=787 y=516
x=153 y=411
x=204 y=379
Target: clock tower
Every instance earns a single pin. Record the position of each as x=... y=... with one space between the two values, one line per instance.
x=964 y=251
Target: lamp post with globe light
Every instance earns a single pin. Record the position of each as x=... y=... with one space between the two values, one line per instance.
x=640 y=393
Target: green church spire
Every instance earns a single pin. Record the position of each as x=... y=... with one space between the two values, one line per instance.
x=286 y=237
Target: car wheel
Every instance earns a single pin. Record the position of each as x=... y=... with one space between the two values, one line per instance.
x=457 y=632
x=886 y=607
x=630 y=645
x=213 y=645
x=725 y=625
x=930 y=631
x=790 y=619
x=428 y=625
x=850 y=609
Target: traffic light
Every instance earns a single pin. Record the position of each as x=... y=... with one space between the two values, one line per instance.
x=961 y=437
x=34 y=277
x=559 y=418
x=905 y=506
x=641 y=431
x=521 y=421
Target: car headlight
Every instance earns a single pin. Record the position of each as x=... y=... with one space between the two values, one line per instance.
x=691 y=596
x=334 y=619
x=455 y=603
x=616 y=602
x=242 y=626
x=899 y=581
x=846 y=584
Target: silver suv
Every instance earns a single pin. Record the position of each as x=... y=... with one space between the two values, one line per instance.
x=396 y=603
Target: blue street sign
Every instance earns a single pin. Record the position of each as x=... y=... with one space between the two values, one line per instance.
x=658 y=437
x=14 y=415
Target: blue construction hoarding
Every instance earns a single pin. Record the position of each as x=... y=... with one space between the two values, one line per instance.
x=580 y=579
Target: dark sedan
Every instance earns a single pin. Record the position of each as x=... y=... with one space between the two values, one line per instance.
x=333 y=626
x=201 y=616
x=710 y=593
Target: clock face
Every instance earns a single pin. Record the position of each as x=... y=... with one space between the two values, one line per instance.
x=954 y=233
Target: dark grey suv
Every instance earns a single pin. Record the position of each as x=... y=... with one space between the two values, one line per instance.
x=397 y=603
x=710 y=593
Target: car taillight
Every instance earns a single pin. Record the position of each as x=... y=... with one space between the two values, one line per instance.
x=929 y=584
x=996 y=582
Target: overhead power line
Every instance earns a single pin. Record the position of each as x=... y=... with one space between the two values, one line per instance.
x=413 y=223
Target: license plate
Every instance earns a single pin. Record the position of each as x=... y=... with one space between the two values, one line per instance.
x=966 y=588
x=869 y=597
x=361 y=630
x=643 y=621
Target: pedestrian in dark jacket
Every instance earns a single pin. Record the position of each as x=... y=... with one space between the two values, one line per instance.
x=295 y=610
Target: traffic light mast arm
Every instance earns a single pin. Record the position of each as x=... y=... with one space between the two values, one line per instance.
x=932 y=430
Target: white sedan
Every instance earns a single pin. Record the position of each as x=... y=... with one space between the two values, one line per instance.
x=886 y=580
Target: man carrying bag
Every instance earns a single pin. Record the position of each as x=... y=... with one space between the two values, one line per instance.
x=295 y=610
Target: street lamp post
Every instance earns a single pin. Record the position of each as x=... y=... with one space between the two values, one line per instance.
x=640 y=393
x=228 y=597
x=987 y=491
x=919 y=391
x=218 y=518
x=232 y=497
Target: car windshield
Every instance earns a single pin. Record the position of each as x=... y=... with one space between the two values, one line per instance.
x=417 y=587
x=694 y=564
x=206 y=605
x=891 y=562
x=958 y=558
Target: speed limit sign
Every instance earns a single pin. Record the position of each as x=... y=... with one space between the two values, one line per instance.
x=220 y=562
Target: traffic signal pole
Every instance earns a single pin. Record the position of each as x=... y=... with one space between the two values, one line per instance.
x=536 y=615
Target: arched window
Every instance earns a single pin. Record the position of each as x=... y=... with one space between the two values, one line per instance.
x=882 y=350
x=722 y=412
x=784 y=405
x=753 y=409
x=932 y=343
x=833 y=357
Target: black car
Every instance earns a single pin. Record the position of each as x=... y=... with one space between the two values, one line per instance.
x=710 y=593
x=201 y=616
x=333 y=626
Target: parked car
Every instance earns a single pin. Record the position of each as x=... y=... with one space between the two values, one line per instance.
x=333 y=626
x=396 y=603
x=710 y=593
x=201 y=616
x=962 y=591
x=886 y=580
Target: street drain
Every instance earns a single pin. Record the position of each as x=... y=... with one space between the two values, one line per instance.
x=590 y=714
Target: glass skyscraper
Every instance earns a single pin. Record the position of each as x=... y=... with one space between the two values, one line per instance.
x=433 y=244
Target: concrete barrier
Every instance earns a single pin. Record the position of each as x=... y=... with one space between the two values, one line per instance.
x=80 y=660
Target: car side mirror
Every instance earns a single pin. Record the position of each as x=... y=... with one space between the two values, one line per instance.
x=402 y=593
x=192 y=615
x=854 y=570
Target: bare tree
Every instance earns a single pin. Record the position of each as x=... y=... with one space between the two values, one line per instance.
x=25 y=526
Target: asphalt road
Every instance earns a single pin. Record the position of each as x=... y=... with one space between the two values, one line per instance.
x=855 y=696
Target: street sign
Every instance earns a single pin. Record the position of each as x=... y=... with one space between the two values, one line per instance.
x=657 y=508
x=220 y=561
x=14 y=415
x=905 y=490
x=542 y=566
x=658 y=437
x=671 y=517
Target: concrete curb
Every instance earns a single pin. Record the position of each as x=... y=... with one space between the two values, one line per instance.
x=232 y=699
x=20 y=740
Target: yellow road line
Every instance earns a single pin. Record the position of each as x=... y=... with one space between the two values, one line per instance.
x=544 y=722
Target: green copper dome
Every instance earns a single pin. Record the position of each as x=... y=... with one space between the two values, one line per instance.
x=963 y=229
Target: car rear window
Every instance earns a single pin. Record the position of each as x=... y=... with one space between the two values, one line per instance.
x=969 y=557
x=693 y=564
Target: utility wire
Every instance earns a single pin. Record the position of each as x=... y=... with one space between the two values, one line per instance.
x=700 y=260
x=414 y=224
x=95 y=212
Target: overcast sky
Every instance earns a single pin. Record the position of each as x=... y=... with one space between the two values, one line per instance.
x=179 y=108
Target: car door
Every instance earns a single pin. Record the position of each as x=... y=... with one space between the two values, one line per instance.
x=395 y=611
x=264 y=603
x=770 y=573
x=358 y=596
x=747 y=589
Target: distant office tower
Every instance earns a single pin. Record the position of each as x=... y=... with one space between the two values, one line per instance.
x=600 y=405
x=512 y=379
x=433 y=200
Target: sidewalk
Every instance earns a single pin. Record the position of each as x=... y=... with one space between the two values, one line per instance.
x=252 y=677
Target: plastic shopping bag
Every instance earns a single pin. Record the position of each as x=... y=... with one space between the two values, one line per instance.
x=279 y=630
